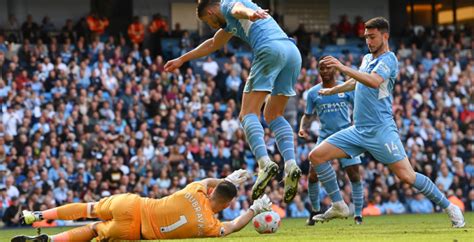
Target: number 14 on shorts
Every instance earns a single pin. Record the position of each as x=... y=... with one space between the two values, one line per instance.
x=392 y=147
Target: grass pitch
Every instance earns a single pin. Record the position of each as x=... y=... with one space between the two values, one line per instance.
x=404 y=228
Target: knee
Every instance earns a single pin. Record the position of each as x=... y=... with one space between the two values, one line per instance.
x=407 y=177
x=271 y=115
x=316 y=157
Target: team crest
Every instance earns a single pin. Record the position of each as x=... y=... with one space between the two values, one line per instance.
x=341 y=95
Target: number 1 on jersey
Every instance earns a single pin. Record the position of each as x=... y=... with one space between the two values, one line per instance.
x=182 y=221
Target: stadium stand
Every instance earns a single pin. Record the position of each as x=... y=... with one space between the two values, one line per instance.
x=86 y=117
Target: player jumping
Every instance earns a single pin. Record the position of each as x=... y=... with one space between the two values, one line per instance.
x=189 y=213
x=374 y=128
x=334 y=114
x=275 y=69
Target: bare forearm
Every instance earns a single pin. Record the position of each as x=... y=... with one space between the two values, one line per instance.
x=211 y=182
x=365 y=78
x=305 y=122
x=202 y=50
x=345 y=87
x=239 y=223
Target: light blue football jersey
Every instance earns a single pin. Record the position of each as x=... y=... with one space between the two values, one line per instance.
x=254 y=33
x=333 y=111
x=373 y=107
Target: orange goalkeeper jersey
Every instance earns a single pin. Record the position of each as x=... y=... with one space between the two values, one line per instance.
x=185 y=214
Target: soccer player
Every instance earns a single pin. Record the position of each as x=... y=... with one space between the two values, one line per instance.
x=374 y=128
x=334 y=114
x=275 y=69
x=188 y=213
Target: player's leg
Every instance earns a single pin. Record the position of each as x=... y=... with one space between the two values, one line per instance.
x=252 y=103
x=313 y=190
x=313 y=193
x=285 y=142
x=387 y=147
x=357 y=191
x=123 y=215
x=71 y=211
x=258 y=86
x=403 y=170
x=283 y=89
x=84 y=233
x=347 y=142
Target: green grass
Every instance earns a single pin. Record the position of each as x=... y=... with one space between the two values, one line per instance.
x=418 y=228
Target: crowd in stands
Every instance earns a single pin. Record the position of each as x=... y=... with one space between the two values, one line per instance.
x=85 y=116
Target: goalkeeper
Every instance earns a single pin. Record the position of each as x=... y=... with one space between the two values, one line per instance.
x=188 y=213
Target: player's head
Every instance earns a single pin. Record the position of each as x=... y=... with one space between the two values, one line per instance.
x=209 y=12
x=376 y=34
x=222 y=196
x=327 y=73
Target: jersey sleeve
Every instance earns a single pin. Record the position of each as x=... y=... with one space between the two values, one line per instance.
x=384 y=67
x=310 y=102
x=226 y=7
x=215 y=228
x=195 y=187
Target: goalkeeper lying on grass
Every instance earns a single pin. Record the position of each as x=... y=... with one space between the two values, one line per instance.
x=188 y=213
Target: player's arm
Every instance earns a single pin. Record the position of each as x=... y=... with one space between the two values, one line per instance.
x=305 y=124
x=238 y=223
x=221 y=37
x=239 y=11
x=372 y=80
x=347 y=86
x=260 y=205
x=211 y=182
x=237 y=178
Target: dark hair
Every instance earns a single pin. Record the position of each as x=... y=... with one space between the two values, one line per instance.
x=203 y=4
x=226 y=191
x=379 y=23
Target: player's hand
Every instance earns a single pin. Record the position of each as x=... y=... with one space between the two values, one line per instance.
x=238 y=177
x=326 y=91
x=330 y=61
x=261 y=205
x=173 y=64
x=259 y=14
x=302 y=133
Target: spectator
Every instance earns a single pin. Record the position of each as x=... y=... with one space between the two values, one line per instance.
x=344 y=27
x=373 y=207
x=12 y=191
x=233 y=83
x=60 y=192
x=11 y=217
x=231 y=212
x=297 y=209
x=420 y=204
x=158 y=29
x=393 y=205
x=30 y=29
x=210 y=67
x=359 y=27
x=445 y=179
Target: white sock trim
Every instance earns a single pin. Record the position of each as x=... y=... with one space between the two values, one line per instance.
x=89 y=210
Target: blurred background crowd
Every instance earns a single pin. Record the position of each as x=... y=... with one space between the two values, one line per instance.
x=86 y=115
